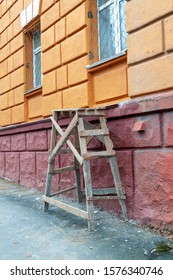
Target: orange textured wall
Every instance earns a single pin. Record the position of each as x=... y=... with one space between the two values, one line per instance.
x=64 y=37
x=12 y=78
x=108 y=82
x=66 y=81
x=150 y=46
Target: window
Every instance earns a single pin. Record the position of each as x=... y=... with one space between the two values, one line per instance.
x=36 y=58
x=33 y=58
x=110 y=28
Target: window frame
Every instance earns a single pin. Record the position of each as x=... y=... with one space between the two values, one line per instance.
x=117 y=21
x=30 y=52
x=36 y=51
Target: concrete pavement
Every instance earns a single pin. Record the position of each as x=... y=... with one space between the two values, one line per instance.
x=26 y=232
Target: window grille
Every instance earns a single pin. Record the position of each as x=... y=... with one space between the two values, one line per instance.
x=33 y=58
x=107 y=28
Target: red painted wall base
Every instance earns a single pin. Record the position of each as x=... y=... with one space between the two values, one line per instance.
x=142 y=133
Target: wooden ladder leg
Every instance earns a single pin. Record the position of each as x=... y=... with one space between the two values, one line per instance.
x=87 y=177
x=50 y=165
x=118 y=186
x=77 y=167
x=48 y=186
x=88 y=193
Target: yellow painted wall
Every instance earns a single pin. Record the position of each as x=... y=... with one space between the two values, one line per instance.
x=66 y=81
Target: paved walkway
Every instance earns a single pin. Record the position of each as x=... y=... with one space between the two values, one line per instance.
x=26 y=232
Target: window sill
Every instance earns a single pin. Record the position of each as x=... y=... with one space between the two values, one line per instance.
x=106 y=61
x=33 y=91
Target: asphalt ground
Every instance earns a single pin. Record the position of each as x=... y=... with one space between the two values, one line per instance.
x=28 y=233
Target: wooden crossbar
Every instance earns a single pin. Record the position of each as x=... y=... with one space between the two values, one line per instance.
x=83 y=132
x=62 y=133
x=73 y=210
x=95 y=155
x=63 y=191
x=63 y=169
x=103 y=197
x=86 y=133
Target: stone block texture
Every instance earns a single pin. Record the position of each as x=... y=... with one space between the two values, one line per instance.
x=36 y=140
x=18 y=142
x=12 y=166
x=28 y=169
x=5 y=143
x=149 y=42
x=153 y=195
x=149 y=137
x=2 y=164
x=142 y=135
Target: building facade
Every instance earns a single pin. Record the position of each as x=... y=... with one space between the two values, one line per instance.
x=61 y=54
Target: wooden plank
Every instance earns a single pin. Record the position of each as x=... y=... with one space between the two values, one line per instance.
x=107 y=141
x=73 y=210
x=50 y=165
x=77 y=167
x=94 y=155
x=103 y=191
x=80 y=109
x=88 y=125
x=94 y=132
x=103 y=197
x=88 y=192
x=64 y=135
x=71 y=146
x=118 y=186
x=87 y=177
x=90 y=112
x=63 y=191
x=63 y=169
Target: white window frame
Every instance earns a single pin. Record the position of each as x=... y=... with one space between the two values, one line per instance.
x=35 y=52
x=117 y=29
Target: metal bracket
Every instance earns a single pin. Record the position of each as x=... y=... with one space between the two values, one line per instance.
x=90 y=14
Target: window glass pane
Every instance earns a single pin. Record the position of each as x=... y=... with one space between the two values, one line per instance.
x=107 y=32
x=102 y=2
x=36 y=39
x=36 y=58
x=37 y=69
x=123 y=32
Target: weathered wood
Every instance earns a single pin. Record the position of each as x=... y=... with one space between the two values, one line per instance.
x=73 y=210
x=90 y=113
x=64 y=135
x=88 y=191
x=93 y=132
x=103 y=197
x=50 y=166
x=118 y=186
x=63 y=169
x=74 y=110
x=103 y=191
x=108 y=143
x=88 y=125
x=77 y=167
x=83 y=132
x=62 y=191
x=71 y=146
x=95 y=155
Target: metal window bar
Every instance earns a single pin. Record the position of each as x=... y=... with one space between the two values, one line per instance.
x=109 y=28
